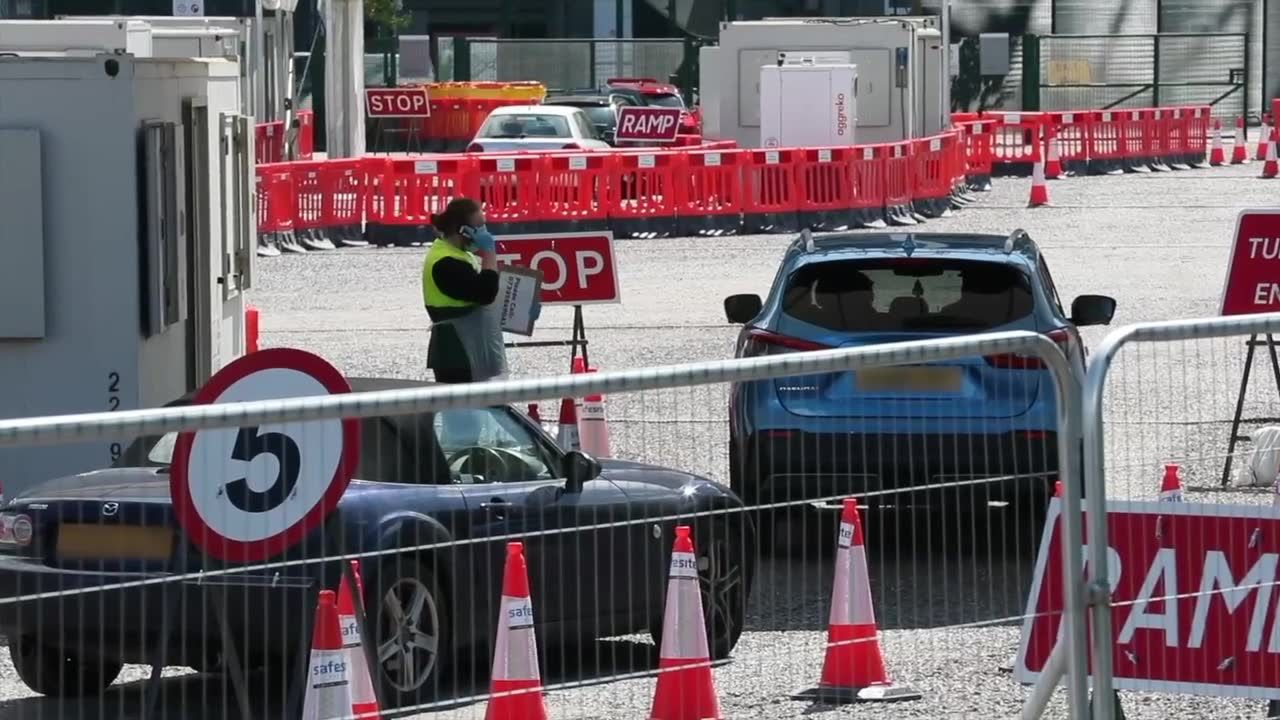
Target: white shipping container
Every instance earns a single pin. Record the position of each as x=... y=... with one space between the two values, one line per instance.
x=808 y=105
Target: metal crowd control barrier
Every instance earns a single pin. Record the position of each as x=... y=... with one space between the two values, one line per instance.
x=1154 y=424
x=582 y=556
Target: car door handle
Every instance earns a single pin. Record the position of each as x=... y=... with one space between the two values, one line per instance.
x=496 y=506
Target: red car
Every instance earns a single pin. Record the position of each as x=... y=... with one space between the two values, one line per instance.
x=663 y=95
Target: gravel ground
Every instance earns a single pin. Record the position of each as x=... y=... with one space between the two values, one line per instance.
x=1157 y=242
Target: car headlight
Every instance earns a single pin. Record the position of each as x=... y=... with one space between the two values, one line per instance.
x=16 y=530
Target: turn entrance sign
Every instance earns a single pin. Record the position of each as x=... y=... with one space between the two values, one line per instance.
x=246 y=494
x=1253 y=271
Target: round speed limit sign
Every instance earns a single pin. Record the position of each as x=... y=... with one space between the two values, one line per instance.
x=248 y=493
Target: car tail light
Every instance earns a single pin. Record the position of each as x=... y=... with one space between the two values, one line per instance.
x=762 y=342
x=475 y=147
x=1013 y=361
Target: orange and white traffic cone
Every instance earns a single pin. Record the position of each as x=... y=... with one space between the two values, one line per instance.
x=1216 y=155
x=685 y=690
x=515 y=683
x=567 y=433
x=364 y=701
x=853 y=669
x=1053 y=167
x=1171 y=484
x=1239 y=151
x=1039 y=189
x=594 y=426
x=328 y=683
x=1264 y=138
x=1269 y=169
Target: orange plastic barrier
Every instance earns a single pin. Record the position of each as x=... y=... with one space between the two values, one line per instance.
x=709 y=194
x=771 y=197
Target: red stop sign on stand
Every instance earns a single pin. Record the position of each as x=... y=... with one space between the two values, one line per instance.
x=577 y=268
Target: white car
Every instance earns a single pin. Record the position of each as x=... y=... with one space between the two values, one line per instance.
x=536 y=127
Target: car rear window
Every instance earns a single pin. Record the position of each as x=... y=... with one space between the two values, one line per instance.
x=600 y=115
x=911 y=294
x=516 y=126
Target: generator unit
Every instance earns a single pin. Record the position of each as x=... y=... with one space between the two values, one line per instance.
x=807 y=105
x=128 y=239
x=902 y=67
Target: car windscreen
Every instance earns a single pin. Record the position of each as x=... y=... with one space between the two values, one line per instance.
x=521 y=126
x=908 y=294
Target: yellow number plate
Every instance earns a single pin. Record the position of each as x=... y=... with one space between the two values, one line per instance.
x=909 y=379
x=113 y=542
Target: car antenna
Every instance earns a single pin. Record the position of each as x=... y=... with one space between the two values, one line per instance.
x=808 y=239
x=1014 y=236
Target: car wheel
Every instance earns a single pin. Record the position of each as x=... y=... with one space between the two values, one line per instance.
x=411 y=627
x=723 y=581
x=60 y=673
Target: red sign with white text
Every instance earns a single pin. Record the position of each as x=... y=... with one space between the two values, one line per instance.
x=1253 y=272
x=648 y=124
x=397 y=103
x=577 y=268
x=1195 y=608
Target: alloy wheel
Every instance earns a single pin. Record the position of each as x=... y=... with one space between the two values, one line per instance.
x=408 y=639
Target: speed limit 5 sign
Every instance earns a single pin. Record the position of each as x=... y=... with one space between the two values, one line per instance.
x=246 y=494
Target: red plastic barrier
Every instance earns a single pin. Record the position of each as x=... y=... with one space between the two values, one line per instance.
x=507 y=187
x=977 y=137
x=1070 y=131
x=275 y=197
x=573 y=192
x=709 y=193
x=643 y=194
x=825 y=188
x=1017 y=138
x=931 y=174
x=898 y=181
x=867 y=173
x=306 y=134
x=269 y=142
x=770 y=190
x=409 y=191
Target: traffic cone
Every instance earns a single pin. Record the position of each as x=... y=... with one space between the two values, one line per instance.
x=579 y=366
x=853 y=669
x=594 y=426
x=515 y=684
x=1216 y=156
x=364 y=701
x=567 y=434
x=1239 y=153
x=1039 y=190
x=685 y=690
x=1053 y=168
x=1269 y=169
x=328 y=689
x=533 y=413
x=1264 y=138
x=1171 y=484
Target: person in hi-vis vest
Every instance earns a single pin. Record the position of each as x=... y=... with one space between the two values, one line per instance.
x=459 y=286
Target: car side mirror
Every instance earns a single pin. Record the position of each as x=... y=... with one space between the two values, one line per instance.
x=579 y=468
x=742 y=308
x=1092 y=310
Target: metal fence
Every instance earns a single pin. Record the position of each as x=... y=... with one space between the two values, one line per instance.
x=1118 y=71
x=1165 y=393
x=450 y=474
x=563 y=63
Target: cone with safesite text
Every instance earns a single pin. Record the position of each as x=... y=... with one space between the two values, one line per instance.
x=853 y=669
x=1171 y=484
x=1269 y=168
x=328 y=683
x=515 y=684
x=594 y=426
x=685 y=689
x=1053 y=166
x=364 y=701
x=567 y=433
x=1264 y=137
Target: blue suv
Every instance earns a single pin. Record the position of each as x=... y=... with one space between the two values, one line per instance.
x=985 y=423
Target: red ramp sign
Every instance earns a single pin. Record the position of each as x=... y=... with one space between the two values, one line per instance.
x=648 y=123
x=1195 y=607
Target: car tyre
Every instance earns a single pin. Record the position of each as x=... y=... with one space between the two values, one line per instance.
x=54 y=672
x=409 y=620
x=724 y=579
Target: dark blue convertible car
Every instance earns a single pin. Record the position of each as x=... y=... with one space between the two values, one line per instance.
x=459 y=480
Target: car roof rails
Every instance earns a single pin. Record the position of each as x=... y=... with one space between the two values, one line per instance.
x=1018 y=240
